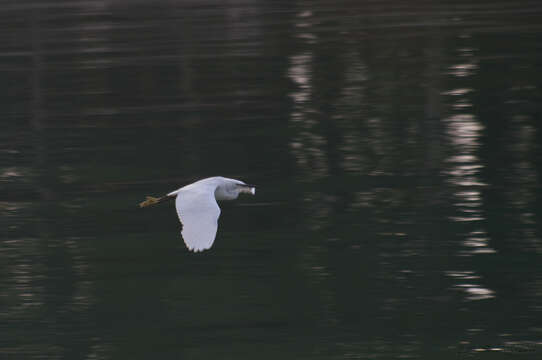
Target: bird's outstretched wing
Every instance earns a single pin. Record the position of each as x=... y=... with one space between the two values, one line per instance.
x=198 y=212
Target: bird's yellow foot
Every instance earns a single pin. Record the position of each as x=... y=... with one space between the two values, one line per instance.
x=149 y=201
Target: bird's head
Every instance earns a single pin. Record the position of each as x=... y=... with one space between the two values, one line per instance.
x=229 y=189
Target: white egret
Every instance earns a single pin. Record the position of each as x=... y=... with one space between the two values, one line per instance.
x=197 y=208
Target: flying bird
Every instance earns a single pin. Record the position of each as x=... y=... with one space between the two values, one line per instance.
x=198 y=210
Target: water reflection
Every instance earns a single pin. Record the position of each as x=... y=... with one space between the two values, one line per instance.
x=465 y=132
x=464 y=169
x=399 y=169
x=307 y=146
x=525 y=180
x=468 y=285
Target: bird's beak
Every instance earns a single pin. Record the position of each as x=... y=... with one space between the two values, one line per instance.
x=249 y=189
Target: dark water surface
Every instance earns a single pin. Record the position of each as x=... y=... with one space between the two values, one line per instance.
x=396 y=147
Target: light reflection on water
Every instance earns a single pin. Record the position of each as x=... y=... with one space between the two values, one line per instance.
x=398 y=168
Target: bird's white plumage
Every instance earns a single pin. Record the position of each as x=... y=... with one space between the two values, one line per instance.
x=198 y=212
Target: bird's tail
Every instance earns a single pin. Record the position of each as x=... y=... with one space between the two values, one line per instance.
x=152 y=200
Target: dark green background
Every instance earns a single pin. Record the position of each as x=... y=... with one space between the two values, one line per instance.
x=395 y=146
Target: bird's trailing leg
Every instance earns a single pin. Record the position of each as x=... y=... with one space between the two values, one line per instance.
x=154 y=200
